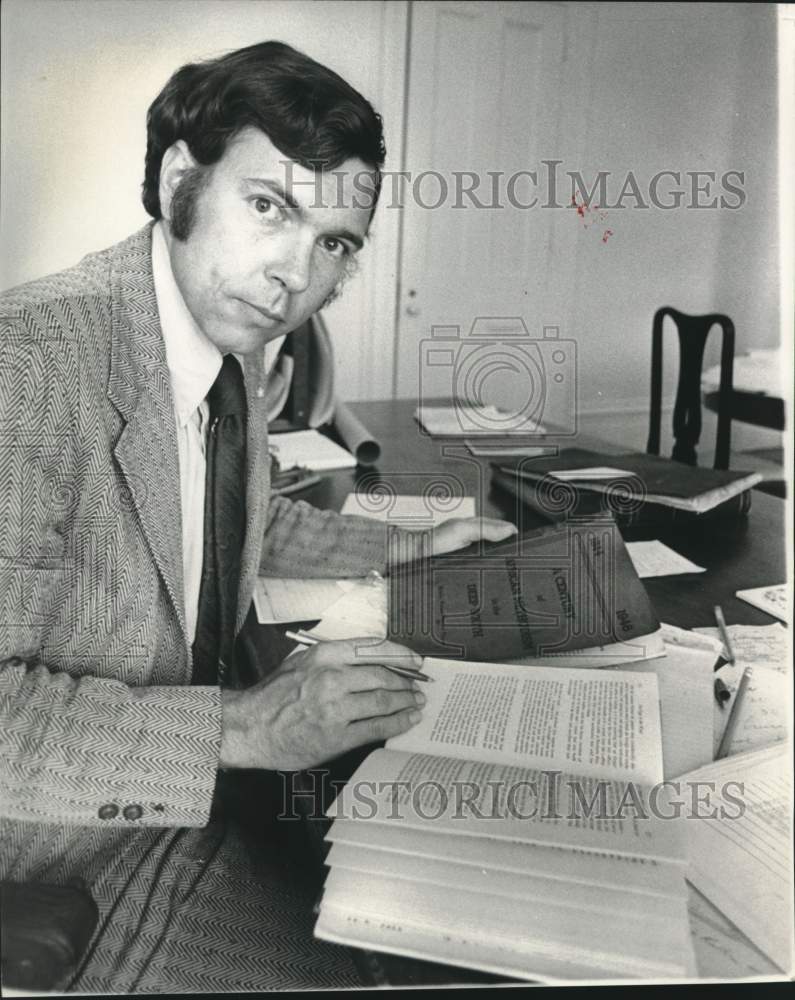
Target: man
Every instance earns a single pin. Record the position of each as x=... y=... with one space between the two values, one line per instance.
x=135 y=516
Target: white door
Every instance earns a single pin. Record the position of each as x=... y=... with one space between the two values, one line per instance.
x=485 y=109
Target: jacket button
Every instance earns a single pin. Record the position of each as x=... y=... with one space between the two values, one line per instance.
x=108 y=811
x=132 y=812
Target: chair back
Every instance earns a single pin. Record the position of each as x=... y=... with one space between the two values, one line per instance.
x=693 y=332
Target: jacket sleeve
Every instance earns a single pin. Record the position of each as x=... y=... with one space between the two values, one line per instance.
x=76 y=748
x=302 y=541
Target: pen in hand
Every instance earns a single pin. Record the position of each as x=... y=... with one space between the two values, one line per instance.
x=396 y=668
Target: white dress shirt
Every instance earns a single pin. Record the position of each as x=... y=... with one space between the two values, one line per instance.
x=193 y=363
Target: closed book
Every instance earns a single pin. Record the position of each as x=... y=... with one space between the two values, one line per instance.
x=629 y=512
x=633 y=476
x=556 y=589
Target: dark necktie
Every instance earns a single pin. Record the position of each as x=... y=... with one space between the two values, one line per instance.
x=224 y=525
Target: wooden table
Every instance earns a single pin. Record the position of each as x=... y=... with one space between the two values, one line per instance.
x=739 y=554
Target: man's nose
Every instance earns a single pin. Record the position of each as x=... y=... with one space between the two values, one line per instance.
x=291 y=264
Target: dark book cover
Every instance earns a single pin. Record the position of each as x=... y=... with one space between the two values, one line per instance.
x=546 y=498
x=646 y=475
x=560 y=588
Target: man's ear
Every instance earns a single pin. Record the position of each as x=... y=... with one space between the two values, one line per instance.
x=177 y=160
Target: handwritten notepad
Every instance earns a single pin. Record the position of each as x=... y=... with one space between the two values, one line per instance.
x=762 y=716
x=772 y=600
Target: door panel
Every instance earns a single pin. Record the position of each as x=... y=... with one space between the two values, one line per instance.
x=484 y=108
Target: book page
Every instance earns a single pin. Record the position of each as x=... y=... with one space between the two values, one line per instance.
x=591 y=723
x=647 y=876
x=740 y=849
x=614 y=654
x=537 y=888
x=446 y=795
x=685 y=678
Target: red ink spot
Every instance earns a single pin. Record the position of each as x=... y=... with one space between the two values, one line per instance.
x=608 y=233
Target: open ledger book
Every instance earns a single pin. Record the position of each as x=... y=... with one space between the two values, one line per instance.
x=513 y=831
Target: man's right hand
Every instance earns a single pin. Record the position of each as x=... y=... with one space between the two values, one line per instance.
x=318 y=704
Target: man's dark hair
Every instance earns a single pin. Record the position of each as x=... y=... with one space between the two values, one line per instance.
x=307 y=111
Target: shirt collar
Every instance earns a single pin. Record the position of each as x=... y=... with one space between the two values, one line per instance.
x=193 y=359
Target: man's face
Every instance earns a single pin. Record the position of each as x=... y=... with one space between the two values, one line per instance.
x=269 y=242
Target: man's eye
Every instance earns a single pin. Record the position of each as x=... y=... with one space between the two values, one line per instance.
x=335 y=247
x=264 y=206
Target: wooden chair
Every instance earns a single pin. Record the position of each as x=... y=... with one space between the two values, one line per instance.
x=693 y=332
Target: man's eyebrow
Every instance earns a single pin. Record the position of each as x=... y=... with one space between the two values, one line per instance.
x=276 y=188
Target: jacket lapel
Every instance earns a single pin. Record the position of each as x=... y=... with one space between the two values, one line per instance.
x=140 y=388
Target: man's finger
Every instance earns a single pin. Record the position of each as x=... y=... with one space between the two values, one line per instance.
x=374 y=677
x=494 y=530
x=372 y=704
x=383 y=727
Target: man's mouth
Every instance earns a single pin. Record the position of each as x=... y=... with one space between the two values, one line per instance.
x=273 y=315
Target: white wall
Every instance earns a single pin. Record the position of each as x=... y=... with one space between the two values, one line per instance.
x=680 y=87
x=77 y=78
x=649 y=86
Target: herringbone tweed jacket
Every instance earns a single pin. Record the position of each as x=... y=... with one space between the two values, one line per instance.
x=108 y=753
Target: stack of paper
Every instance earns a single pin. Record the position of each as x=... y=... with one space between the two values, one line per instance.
x=498 y=834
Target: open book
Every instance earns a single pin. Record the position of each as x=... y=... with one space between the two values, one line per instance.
x=513 y=831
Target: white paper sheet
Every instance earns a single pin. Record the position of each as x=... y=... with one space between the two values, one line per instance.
x=289 y=600
x=362 y=611
x=309 y=450
x=653 y=558
x=763 y=716
x=772 y=600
